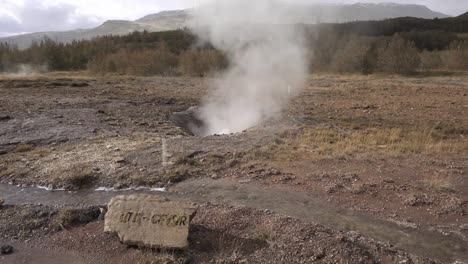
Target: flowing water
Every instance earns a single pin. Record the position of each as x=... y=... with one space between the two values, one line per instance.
x=296 y=204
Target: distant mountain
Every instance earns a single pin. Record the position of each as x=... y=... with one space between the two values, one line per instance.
x=463 y=17
x=364 y=12
x=170 y=20
x=111 y=27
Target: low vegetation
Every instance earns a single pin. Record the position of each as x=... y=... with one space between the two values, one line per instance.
x=320 y=143
x=401 y=46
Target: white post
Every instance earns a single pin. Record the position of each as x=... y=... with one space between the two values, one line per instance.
x=164 y=152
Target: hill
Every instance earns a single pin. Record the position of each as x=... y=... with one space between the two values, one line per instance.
x=172 y=20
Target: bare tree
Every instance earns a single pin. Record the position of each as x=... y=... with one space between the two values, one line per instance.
x=399 y=56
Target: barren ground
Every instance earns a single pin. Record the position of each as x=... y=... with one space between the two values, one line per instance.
x=385 y=148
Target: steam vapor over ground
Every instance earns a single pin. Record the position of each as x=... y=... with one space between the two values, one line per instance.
x=267 y=62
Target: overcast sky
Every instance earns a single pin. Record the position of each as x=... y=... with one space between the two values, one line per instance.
x=22 y=16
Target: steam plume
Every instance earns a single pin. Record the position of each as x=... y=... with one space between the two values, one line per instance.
x=267 y=62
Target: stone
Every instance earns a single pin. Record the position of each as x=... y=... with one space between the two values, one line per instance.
x=189 y=121
x=150 y=221
x=5 y=118
x=119 y=160
x=2 y=201
x=6 y=250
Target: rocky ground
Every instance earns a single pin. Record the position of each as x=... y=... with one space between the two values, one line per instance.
x=388 y=148
x=220 y=234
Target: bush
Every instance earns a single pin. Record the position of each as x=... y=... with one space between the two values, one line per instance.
x=199 y=63
x=431 y=60
x=323 y=48
x=352 y=57
x=146 y=62
x=399 y=56
x=456 y=58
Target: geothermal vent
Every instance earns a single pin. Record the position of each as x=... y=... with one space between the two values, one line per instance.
x=189 y=121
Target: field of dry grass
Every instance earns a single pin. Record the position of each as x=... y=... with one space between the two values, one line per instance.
x=321 y=143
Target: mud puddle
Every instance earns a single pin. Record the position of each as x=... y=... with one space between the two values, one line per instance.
x=287 y=202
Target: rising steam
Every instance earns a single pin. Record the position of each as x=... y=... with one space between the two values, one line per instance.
x=24 y=70
x=267 y=62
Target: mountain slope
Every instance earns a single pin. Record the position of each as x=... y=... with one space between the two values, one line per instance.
x=322 y=13
x=170 y=20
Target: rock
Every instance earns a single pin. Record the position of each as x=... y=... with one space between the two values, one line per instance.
x=150 y=221
x=102 y=213
x=5 y=118
x=188 y=259
x=79 y=84
x=6 y=250
x=119 y=160
x=353 y=236
x=2 y=201
x=189 y=121
x=118 y=186
x=418 y=200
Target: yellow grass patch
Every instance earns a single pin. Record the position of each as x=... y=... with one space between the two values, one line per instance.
x=331 y=143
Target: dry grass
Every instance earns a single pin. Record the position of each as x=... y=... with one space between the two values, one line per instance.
x=333 y=143
x=6 y=171
x=77 y=175
x=264 y=233
x=164 y=257
x=69 y=217
x=440 y=183
x=20 y=148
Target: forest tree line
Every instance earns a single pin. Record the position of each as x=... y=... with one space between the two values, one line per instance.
x=402 y=46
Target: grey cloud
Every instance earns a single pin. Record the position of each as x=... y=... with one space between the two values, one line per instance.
x=34 y=17
x=4 y=34
x=9 y=25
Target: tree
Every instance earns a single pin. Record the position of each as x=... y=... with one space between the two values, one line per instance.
x=199 y=63
x=399 y=56
x=352 y=56
x=456 y=58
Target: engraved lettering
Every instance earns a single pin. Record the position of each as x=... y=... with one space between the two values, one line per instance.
x=156 y=219
x=183 y=221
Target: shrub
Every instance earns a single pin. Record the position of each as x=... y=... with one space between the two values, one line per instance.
x=352 y=57
x=145 y=62
x=199 y=63
x=431 y=60
x=456 y=58
x=399 y=56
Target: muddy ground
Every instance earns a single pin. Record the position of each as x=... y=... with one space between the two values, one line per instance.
x=391 y=149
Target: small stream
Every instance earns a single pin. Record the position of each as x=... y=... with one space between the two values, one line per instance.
x=287 y=202
x=15 y=195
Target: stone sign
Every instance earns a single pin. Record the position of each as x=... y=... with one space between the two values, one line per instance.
x=151 y=221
